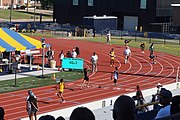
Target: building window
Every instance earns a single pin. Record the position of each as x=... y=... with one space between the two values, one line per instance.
x=90 y=2
x=143 y=4
x=75 y=2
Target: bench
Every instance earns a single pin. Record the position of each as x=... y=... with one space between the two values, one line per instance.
x=36 y=53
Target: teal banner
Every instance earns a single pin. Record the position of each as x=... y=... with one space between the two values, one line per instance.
x=73 y=63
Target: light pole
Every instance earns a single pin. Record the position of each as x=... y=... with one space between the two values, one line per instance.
x=34 y=11
x=43 y=45
x=135 y=32
x=10 y=17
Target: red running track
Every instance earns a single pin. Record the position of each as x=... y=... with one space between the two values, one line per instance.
x=138 y=72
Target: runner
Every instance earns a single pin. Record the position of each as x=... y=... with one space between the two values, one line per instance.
x=142 y=46
x=127 y=53
x=152 y=58
x=86 y=78
x=94 y=60
x=151 y=49
x=61 y=90
x=115 y=75
x=126 y=42
x=112 y=57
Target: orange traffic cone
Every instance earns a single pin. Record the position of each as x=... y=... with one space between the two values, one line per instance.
x=37 y=67
x=54 y=77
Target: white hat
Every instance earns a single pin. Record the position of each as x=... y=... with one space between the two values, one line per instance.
x=159 y=84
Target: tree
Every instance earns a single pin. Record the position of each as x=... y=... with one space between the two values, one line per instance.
x=46 y=4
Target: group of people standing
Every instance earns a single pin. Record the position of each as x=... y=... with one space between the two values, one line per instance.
x=75 y=52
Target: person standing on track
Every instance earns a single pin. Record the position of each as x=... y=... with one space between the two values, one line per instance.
x=108 y=37
x=77 y=50
x=32 y=105
x=127 y=53
x=115 y=75
x=94 y=60
x=86 y=78
x=112 y=57
x=61 y=56
x=61 y=90
x=73 y=53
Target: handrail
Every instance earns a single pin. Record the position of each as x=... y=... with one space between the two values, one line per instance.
x=147 y=104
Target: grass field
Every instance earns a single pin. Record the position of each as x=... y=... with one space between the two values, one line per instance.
x=32 y=82
x=169 y=48
x=5 y=14
x=161 y=45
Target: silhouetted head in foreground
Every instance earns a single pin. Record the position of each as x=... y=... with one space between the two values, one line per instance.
x=82 y=113
x=60 y=118
x=2 y=113
x=47 y=117
x=124 y=108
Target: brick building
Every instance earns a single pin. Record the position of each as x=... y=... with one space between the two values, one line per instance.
x=8 y=2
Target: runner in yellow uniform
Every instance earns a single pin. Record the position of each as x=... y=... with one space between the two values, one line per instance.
x=61 y=90
x=112 y=57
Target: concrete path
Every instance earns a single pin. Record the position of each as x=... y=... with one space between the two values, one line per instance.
x=30 y=73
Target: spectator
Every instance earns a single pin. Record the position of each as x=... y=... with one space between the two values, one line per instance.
x=165 y=99
x=124 y=108
x=2 y=113
x=68 y=54
x=155 y=97
x=82 y=113
x=94 y=60
x=47 y=117
x=175 y=106
x=60 y=118
x=18 y=57
x=32 y=105
x=159 y=86
x=50 y=54
x=139 y=94
x=127 y=53
x=74 y=54
x=140 y=99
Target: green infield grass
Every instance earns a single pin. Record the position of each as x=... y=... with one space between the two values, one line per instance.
x=5 y=14
x=32 y=82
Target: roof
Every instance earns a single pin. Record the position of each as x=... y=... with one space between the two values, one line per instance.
x=100 y=17
x=11 y=41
